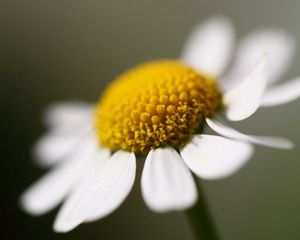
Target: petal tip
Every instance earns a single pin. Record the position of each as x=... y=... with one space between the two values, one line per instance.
x=64 y=227
x=29 y=206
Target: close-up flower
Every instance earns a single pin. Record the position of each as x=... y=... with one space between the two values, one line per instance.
x=161 y=112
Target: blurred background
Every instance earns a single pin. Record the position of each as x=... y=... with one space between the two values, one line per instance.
x=70 y=49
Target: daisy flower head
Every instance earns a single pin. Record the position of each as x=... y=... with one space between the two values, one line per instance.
x=160 y=108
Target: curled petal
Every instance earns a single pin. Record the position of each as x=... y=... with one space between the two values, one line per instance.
x=243 y=100
x=274 y=142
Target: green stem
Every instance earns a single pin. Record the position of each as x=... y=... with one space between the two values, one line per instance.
x=200 y=219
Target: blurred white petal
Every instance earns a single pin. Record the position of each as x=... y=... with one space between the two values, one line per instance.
x=97 y=161
x=276 y=44
x=281 y=94
x=214 y=157
x=68 y=115
x=167 y=184
x=274 y=142
x=52 y=188
x=210 y=45
x=243 y=100
x=107 y=190
x=55 y=146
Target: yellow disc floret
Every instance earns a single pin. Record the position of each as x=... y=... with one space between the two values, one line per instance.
x=155 y=104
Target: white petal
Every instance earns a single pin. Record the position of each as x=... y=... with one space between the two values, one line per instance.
x=281 y=94
x=167 y=184
x=274 y=142
x=242 y=101
x=97 y=161
x=276 y=44
x=209 y=47
x=56 y=145
x=68 y=115
x=49 y=191
x=105 y=193
x=213 y=157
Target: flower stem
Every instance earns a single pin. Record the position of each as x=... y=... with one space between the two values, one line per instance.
x=200 y=219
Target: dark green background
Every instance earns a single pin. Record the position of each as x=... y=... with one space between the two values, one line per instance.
x=54 y=50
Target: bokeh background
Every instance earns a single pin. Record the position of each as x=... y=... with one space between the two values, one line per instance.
x=70 y=49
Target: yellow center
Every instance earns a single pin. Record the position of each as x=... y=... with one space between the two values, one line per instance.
x=155 y=104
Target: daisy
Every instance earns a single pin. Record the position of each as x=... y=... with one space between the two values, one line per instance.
x=160 y=109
